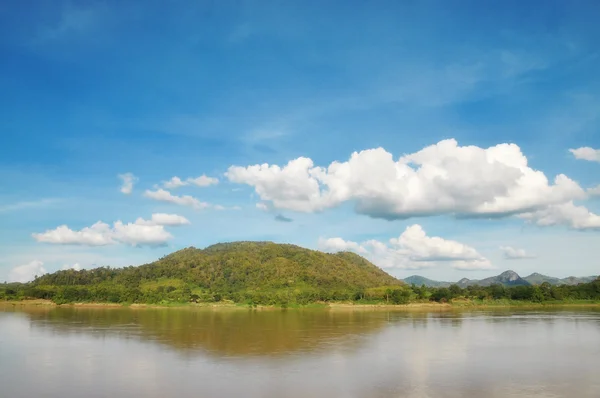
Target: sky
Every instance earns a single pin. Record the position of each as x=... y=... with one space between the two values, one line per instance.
x=447 y=139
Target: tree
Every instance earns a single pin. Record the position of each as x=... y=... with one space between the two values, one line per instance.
x=455 y=290
x=537 y=295
x=442 y=295
x=498 y=291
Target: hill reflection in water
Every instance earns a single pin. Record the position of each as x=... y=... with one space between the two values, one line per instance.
x=123 y=352
x=221 y=332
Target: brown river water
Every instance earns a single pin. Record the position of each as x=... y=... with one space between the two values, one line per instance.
x=184 y=352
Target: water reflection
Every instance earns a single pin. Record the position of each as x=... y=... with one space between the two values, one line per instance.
x=220 y=332
x=72 y=352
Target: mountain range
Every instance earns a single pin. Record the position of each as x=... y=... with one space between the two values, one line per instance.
x=507 y=278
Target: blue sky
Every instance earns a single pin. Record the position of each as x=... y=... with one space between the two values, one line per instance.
x=94 y=90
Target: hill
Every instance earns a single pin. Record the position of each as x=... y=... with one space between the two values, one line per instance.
x=418 y=280
x=257 y=272
x=538 y=279
x=573 y=280
x=507 y=278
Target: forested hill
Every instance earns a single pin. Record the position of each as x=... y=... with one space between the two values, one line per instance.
x=240 y=271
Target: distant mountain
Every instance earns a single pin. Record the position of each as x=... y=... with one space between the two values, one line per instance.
x=421 y=280
x=573 y=280
x=507 y=278
x=464 y=282
x=538 y=279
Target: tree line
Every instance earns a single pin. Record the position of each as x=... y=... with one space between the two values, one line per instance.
x=169 y=290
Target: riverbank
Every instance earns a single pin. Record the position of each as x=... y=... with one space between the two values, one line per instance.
x=423 y=306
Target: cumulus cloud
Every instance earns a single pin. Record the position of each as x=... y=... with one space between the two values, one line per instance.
x=445 y=178
x=594 y=191
x=170 y=220
x=99 y=234
x=335 y=245
x=511 y=253
x=165 y=196
x=173 y=183
x=202 y=181
x=141 y=233
x=27 y=272
x=412 y=250
x=75 y=267
x=568 y=214
x=586 y=153
x=128 y=180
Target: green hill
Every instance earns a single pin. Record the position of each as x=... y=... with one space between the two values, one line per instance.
x=418 y=280
x=254 y=272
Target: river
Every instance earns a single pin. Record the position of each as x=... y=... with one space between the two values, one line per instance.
x=122 y=352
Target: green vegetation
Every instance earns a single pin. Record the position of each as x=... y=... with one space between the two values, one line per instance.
x=254 y=273
x=264 y=273
x=505 y=295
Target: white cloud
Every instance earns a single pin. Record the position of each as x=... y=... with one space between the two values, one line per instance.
x=174 y=182
x=594 y=191
x=222 y=208
x=27 y=272
x=511 y=253
x=576 y=217
x=292 y=187
x=75 y=267
x=170 y=220
x=165 y=196
x=340 y=245
x=412 y=250
x=98 y=234
x=586 y=153
x=141 y=233
x=128 y=180
x=440 y=179
x=202 y=181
